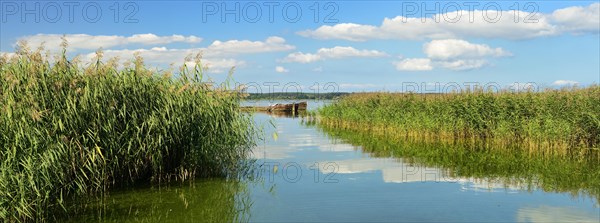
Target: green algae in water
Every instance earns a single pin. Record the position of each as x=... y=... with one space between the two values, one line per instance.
x=210 y=200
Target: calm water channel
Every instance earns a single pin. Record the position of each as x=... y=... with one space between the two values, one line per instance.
x=307 y=173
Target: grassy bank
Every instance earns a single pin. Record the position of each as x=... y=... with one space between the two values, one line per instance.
x=69 y=131
x=555 y=122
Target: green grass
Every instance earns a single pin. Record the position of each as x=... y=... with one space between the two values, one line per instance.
x=552 y=122
x=69 y=131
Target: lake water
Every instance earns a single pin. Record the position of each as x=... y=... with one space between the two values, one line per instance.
x=307 y=173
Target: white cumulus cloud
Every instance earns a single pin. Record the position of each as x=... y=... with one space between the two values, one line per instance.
x=455 y=48
x=414 y=64
x=564 y=83
x=166 y=56
x=578 y=19
x=453 y=54
x=469 y=24
x=93 y=42
x=331 y=53
x=408 y=28
x=346 y=31
x=218 y=56
x=460 y=65
x=7 y=54
x=271 y=44
x=280 y=69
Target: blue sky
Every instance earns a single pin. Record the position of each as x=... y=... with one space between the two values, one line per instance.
x=354 y=45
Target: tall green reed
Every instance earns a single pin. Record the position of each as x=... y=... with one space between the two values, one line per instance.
x=68 y=130
x=565 y=121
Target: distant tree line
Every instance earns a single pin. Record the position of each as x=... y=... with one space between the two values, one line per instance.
x=294 y=95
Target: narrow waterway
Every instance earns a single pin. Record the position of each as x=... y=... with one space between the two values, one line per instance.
x=305 y=173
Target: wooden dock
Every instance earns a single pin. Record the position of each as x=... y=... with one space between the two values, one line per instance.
x=292 y=108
